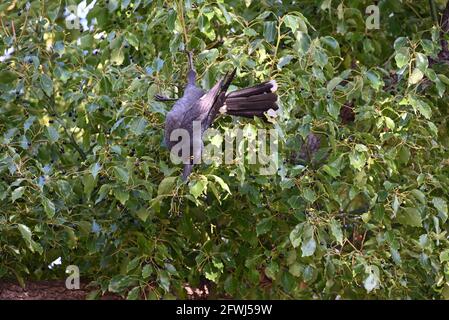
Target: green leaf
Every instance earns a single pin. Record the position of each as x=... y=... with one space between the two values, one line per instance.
x=309 y=195
x=375 y=80
x=390 y=123
x=333 y=83
x=421 y=106
x=164 y=280
x=419 y=195
x=119 y=283
x=17 y=193
x=86 y=41
x=25 y=232
x=117 y=56
x=272 y=270
x=295 y=23
x=371 y=282
x=133 y=264
x=53 y=134
x=46 y=84
x=295 y=269
x=121 y=195
x=147 y=271
x=410 y=216
x=133 y=294
x=222 y=184
x=399 y=43
x=396 y=204
x=28 y=123
x=331 y=42
x=198 y=188
x=326 y=5
x=308 y=247
x=441 y=205
x=444 y=256
x=143 y=214
x=26 y=235
x=269 y=30
x=264 y=226
x=333 y=109
x=89 y=184
x=294 y=202
x=7 y=76
x=95 y=169
x=121 y=174
x=125 y=4
x=283 y=61
x=166 y=186
x=421 y=62
x=138 y=126
x=402 y=57
x=337 y=233
x=296 y=235
x=357 y=160
x=302 y=44
x=416 y=76
x=49 y=207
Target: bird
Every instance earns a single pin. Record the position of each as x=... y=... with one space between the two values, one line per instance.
x=204 y=107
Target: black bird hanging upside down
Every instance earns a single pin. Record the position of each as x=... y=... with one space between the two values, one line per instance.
x=202 y=107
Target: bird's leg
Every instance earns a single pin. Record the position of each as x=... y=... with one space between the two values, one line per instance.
x=159 y=97
x=191 y=74
x=190 y=58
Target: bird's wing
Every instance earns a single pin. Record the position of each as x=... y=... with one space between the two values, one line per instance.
x=206 y=108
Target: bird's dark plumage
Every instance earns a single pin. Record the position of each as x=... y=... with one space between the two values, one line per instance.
x=202 y=107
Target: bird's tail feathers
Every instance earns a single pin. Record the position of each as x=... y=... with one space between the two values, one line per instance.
x=227 y=80
x=252 y=101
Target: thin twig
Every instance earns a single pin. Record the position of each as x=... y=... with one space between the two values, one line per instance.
x=24 y=25
x=277 y=45
x=3 y=26
x=182 y=21
x=13 y=29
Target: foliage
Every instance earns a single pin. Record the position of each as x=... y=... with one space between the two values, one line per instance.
x=84 y=174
